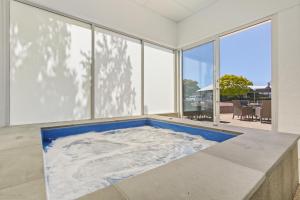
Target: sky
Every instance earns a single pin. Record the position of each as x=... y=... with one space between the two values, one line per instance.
x=248 y=53
x=244 y=53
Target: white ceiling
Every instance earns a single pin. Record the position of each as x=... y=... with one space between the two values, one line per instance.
x=176 y=10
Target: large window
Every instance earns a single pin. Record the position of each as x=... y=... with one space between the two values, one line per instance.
x=245 y=77
x=56 y=75
x=50 y=66
x=198 y=66
x=117 y=75
x=159 y=80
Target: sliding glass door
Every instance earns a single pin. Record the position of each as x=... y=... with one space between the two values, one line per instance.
x=245 y=77
x=237 y=89
x=198 y=81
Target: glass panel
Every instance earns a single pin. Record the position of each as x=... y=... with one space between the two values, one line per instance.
x=158 y=80
x=117 y=75
x=50 y=67
x=198 y=64
x=245 y=77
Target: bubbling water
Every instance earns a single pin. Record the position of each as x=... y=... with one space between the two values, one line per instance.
x=80 y=164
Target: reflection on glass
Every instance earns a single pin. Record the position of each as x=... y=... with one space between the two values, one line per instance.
x=198 y=82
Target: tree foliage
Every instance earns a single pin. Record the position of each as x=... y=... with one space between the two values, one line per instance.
x=190 y=87
x=232 y=85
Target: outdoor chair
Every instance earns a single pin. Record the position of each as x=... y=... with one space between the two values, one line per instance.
x=242 y=110
x=264 y=112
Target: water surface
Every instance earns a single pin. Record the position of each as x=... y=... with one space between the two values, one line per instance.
x=80 y=164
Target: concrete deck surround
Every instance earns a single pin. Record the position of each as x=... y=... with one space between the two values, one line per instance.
x=255 y=165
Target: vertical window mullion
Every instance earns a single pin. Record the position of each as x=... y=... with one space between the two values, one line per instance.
x=142 y=78
x=93 y=73
x=216 y=81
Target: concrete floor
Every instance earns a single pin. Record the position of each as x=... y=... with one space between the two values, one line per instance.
x=297 y=195
x=227 y=119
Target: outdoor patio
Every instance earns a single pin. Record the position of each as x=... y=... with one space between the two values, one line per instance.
x=227 y=119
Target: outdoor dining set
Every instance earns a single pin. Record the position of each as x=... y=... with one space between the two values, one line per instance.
x=252 y=111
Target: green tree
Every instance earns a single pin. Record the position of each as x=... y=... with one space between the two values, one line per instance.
x=190 y=87
x=233 y=86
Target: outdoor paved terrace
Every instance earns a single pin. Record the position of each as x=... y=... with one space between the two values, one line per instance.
x=227 y=119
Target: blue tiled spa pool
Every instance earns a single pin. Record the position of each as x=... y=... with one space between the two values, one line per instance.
x=84 y=158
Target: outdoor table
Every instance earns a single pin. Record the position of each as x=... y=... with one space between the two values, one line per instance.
x=254 y=107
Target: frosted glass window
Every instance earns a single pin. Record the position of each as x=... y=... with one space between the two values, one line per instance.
x=50 y=66
x=117 y=75
x=158 y=80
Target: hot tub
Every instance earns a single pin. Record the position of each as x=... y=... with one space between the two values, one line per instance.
x=81 y=159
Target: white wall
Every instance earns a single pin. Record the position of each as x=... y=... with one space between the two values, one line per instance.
x=3 y=64
x=2 y=72
x=121 y=15
x=226 y=15
x=288 y=37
